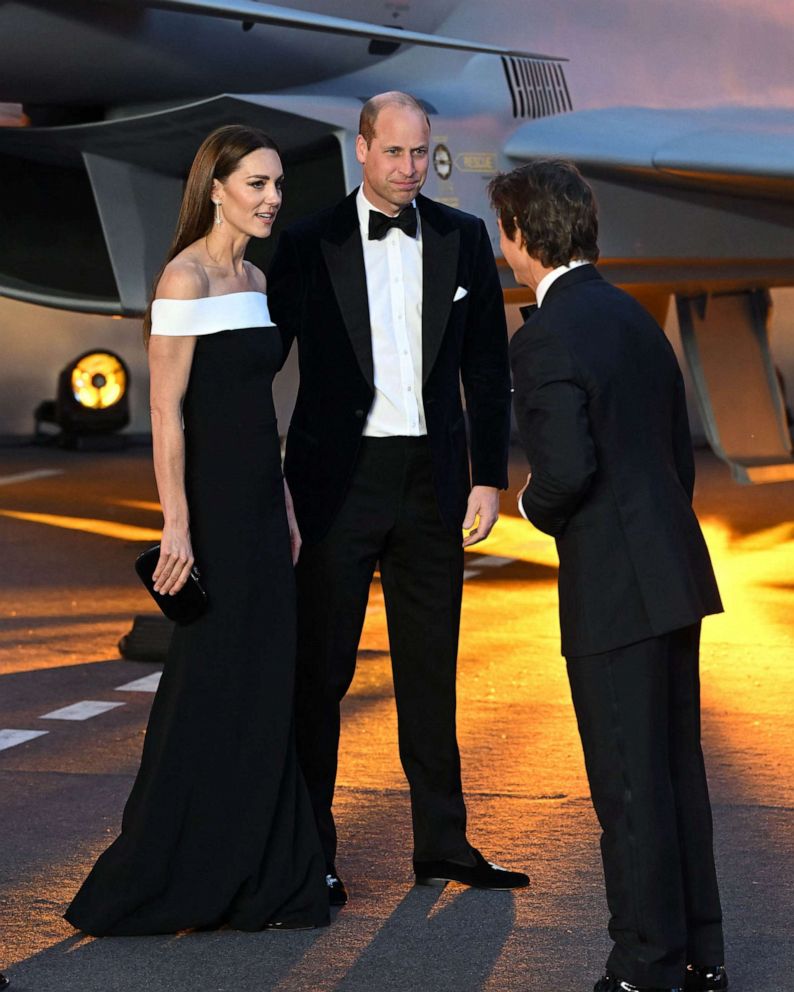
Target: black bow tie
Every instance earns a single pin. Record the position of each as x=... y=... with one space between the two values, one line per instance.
x=379 y=224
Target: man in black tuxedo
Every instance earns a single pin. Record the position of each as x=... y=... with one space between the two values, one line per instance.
x=600 y=405
x=394 y=301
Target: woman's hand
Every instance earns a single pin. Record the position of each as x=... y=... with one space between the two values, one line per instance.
x=176 y=560
x=294 y=533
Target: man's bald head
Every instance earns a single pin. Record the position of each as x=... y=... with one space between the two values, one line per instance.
x=373 y=106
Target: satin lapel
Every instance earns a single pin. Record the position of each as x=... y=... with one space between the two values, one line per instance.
x=439 y=268
x=345 y=261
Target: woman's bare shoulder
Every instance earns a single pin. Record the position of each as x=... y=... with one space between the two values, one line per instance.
x=183 y=278
x=256 y=277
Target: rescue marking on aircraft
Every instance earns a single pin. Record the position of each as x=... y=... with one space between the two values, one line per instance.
x=476 y=162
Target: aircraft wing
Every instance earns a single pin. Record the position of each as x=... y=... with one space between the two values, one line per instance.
x=698 y=204
x=745 y=150
x=253 y=12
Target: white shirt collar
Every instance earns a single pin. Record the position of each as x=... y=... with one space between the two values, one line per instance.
x=548 y=279
x=363 y=206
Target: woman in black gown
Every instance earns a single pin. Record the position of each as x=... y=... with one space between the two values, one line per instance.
x=218 y=829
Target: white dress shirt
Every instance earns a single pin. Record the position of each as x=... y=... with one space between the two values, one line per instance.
x=394 y=290
x=540 y=292
x=550 y=277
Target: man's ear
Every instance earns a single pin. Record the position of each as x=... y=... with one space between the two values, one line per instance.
x=518 y=236
x=361 y=149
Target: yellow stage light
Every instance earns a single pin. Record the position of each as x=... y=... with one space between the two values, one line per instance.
x=91 y=404
x=98 y=380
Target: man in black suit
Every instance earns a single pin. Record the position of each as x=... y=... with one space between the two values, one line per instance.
x=600 y=404
x=394 y=301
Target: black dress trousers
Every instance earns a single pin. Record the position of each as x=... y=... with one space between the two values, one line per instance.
x=389 y=518
x=638 y=710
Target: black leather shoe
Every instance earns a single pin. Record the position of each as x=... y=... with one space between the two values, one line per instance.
x=337 y=893
x=706 y=978
x=481 y=875
x=610 y=983
x=4 y=982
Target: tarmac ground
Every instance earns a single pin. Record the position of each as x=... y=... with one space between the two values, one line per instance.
x=71 y=524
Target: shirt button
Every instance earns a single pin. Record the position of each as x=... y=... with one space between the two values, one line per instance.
x=410 y=389
x=359 y=414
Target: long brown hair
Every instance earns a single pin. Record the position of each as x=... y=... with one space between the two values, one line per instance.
x=217 y=158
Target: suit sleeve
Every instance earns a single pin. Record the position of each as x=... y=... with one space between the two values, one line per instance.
x=551 y=411
x=485 y=370
x=682 y=440
x=285 y=291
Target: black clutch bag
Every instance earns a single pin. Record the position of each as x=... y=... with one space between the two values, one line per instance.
x=188 y=604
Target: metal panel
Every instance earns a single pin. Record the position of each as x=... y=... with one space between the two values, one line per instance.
x=727 y=348
x=138 y=209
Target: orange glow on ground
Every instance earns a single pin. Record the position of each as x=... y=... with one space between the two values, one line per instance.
x=104 y=528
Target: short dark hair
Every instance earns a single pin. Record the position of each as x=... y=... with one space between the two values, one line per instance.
x=373 y=106
x=553 y=208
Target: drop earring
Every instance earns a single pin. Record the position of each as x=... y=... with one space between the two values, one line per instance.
x=218 y=215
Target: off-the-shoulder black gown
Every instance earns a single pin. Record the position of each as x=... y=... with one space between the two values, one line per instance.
x=218 y=829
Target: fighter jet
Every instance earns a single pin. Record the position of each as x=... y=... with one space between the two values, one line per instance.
x=113 y=97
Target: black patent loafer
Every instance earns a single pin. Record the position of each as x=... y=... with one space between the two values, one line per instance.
x=337 y=893
x=4 y=982
x=481 y=875
x=706 y=978
x=611 y=983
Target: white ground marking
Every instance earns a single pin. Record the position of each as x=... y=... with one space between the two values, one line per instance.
x=148 y=683
x=81 y=711
x=10 y=738
x=491 y=561
x=39 y=473
x=478 y=562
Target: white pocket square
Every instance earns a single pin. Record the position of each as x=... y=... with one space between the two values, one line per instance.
x=460 y=292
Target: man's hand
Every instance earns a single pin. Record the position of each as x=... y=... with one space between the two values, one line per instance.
x=483 y=503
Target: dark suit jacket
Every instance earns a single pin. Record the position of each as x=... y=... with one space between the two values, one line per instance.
x=317 y=293
x=600 y=404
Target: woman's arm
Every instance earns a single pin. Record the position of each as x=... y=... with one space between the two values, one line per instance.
x=260 y=283
x=294 y=531
x=170 y=359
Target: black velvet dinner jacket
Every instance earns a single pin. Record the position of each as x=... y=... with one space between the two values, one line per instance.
x=599 y=400
x=317 y=293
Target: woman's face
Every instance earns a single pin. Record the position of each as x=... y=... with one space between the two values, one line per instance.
x=251 y=196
